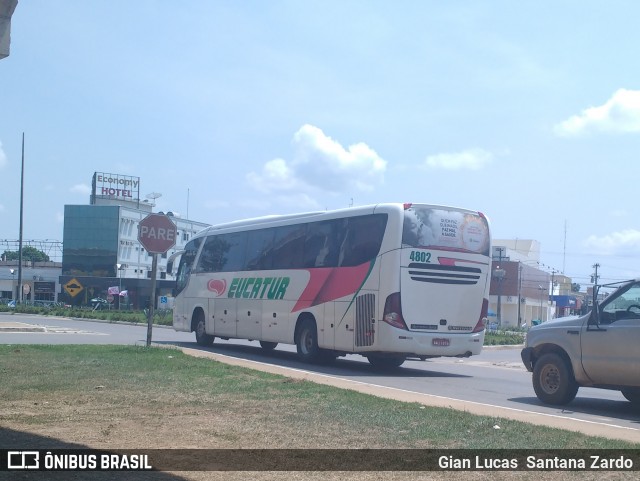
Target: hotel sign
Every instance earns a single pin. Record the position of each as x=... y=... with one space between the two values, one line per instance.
x=115 y=186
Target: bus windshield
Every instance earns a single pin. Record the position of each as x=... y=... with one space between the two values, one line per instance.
x=186 y=264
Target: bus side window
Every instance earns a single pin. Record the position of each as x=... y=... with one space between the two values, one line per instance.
x=288 y=247
x=212 y=254
x=223 y=253
x=363 y=240
x=259 y=247
x=234 y=256
x=320 y=247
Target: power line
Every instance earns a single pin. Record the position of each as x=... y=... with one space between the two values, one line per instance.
x=52 y=248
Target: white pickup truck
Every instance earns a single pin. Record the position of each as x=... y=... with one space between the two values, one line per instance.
x=600 y=349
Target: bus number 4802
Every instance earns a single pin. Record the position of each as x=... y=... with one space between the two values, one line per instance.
x=418 y=256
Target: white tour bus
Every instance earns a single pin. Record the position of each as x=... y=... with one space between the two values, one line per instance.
x=388 y=281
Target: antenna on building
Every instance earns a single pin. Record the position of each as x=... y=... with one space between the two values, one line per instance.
x=153 y=196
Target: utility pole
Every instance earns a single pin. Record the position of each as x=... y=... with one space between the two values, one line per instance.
x=553 y=283
x=499 y=273
x=594 y=279
x=519 y=294
x=20 y=295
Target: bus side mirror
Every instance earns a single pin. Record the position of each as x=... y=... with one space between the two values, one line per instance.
x=171 y=260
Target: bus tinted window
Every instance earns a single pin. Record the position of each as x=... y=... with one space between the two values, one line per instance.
x=234 y=257
x=223 y=253
x=340 y=242
x=259 y=247
x=322 y=244
x=363 y=239
x=212 y=254
x=288 y=247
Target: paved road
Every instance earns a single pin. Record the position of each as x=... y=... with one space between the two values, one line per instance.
x=493 y=383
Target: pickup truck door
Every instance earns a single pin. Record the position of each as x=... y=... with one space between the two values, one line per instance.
x=611 y=349
x=611 y=354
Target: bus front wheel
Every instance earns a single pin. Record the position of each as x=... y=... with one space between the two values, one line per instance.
x=307 y=341
x=202 y=338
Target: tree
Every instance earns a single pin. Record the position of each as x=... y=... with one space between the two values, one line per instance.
x=28 y=254
x=575 y=287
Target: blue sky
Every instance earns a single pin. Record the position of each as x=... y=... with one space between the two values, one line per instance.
x=527 y=111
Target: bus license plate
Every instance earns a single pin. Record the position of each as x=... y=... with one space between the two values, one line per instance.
x=440 y=342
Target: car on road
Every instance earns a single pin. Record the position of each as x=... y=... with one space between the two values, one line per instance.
x=600 y=349
x=99 y=303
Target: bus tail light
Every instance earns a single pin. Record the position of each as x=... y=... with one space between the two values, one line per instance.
x=393 y=312
x=482 y=321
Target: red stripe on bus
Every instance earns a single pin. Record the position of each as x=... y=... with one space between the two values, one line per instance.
x=329 y=284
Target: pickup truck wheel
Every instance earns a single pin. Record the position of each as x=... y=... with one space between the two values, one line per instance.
x=632 y=394
x=553 y=380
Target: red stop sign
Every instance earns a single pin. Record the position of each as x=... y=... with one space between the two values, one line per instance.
x=157 y=233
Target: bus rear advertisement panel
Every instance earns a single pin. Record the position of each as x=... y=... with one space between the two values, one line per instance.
x=388 y=281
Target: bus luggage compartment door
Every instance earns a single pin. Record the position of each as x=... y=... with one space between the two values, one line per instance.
x=225 y=317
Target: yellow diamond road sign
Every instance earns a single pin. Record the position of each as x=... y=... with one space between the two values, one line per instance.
x=73 y=287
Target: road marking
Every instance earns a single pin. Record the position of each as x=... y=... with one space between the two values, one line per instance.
x=25 y=328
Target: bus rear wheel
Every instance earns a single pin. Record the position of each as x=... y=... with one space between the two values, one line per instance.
x=307 y=341
x=268 y=346
x=633 y=395
x=202 y=338
x=386 y=362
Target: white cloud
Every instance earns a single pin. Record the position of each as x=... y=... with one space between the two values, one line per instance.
x=320 y=163
x=472 y=159
x=80 y=189
x=628 y=239
x=619 y=213
x=276 y=175
x=620 y=114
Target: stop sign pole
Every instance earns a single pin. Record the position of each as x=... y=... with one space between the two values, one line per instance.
x=157 y=234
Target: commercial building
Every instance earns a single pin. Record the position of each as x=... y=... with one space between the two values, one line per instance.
x=7 y=8
x=522 y=292
x=40 y=281
x=102 y=257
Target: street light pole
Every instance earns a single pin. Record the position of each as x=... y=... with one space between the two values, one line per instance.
x=541 y=289
x=119 y=288
x=13 y=284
